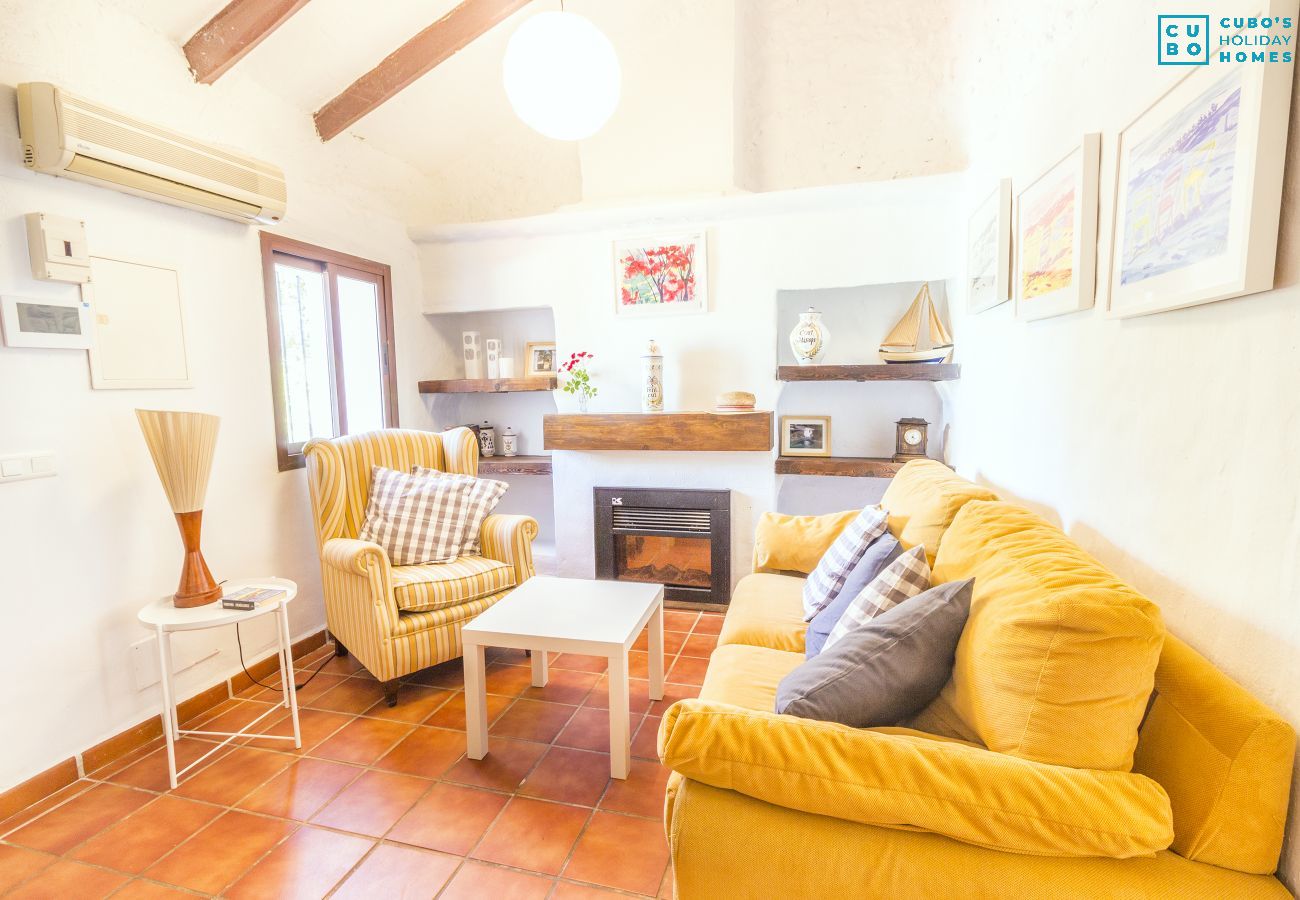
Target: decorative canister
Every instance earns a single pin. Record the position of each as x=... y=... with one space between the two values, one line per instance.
x=473 y=353
x=492 y=352
x=810 y=338
x=652 y=379
x=487 y=439
x=509 y=442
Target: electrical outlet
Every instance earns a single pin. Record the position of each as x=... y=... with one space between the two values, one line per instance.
x=145 y=665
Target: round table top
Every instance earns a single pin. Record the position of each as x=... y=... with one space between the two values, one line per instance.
x=161 y=613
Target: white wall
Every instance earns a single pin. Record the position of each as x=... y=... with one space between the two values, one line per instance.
x=758 y=245
x=1165 y=445
x=840 y=91
x=83 y=551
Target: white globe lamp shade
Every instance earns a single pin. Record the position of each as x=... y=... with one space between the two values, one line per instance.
x=562 y=75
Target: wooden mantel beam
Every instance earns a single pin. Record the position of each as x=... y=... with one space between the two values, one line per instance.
x=233 y=32
x=419 y=55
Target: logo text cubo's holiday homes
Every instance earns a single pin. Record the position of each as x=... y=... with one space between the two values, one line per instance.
x=1193 y=40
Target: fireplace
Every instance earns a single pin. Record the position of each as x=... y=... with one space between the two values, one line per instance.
x=678 y=538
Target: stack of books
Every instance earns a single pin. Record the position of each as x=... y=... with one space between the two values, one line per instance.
x=251 y=598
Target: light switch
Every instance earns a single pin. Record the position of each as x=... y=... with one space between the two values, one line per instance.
x=22 y=466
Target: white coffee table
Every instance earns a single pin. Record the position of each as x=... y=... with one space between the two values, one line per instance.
x=568 y=615
x=165 y=619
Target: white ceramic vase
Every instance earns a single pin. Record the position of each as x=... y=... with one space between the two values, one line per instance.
x=652 y=379
x=472 y=348
x=810 y=338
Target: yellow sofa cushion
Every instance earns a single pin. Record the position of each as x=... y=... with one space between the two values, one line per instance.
x=746 y=676
x=1058 y=657
x=912 y=781
x=438 y=585
x=727 y=845
x=766 y=610
x=796 y=543
x=922 y=500
x=1225 y=759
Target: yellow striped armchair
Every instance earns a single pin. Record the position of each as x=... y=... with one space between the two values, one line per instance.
x=400 y=619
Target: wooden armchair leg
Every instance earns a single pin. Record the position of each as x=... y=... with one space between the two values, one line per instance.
x=390 y=692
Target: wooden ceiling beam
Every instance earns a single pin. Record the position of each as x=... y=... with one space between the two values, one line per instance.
x=418 y=56
x=233 y=32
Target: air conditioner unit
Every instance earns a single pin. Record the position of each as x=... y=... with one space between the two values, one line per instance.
x=65 y=135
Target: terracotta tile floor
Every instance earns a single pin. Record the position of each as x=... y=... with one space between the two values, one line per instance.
x=380 y=802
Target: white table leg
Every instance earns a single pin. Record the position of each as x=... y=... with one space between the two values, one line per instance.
x=540 y=673
x=476 y=726
x=656 y=628
x=168 y=710
x=620 y=743
x=288 y=678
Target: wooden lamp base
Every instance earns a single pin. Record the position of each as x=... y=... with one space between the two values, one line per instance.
x=197 y=586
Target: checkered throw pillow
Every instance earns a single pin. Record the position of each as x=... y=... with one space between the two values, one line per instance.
x=484 y=494
x=827 y=580
x=416 y=520
x=902 y=579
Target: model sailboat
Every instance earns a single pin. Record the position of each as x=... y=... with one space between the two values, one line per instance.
x=904 y=344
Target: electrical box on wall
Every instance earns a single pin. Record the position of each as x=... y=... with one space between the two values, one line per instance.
x=57 y=246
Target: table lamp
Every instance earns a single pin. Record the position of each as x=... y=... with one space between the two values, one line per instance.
x=182 y=444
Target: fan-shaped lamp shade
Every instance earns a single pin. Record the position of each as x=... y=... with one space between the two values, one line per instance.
x=182 y=445
x=562 y=75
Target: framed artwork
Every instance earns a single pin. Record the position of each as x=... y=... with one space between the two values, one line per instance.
x=52 y=324
x=139 y=334
x=988 y=251
x=540 y=359
x=805 y=435
x=661 y=275
x=1198 y=191
x=1056 y=236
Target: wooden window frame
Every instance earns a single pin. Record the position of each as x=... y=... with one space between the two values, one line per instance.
x=331 y=263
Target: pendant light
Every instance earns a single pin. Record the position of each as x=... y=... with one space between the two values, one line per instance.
x=562 y=75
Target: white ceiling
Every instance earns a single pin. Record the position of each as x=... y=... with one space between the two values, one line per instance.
x=717 y=95
x=454 y=115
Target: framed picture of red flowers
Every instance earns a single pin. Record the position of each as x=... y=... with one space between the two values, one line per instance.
x=661 y=275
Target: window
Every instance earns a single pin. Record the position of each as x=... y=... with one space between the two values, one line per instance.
x=329 y=319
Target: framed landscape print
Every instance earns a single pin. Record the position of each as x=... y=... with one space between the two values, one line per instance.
x=805 y=435
x=988 y=251
x=1056 y=236
x=663 y=275
x=1198 y=191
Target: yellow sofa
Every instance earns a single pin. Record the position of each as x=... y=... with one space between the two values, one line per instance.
x=400 y=619
x=1078 y=751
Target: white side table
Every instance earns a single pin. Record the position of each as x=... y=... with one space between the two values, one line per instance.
x=165 y=618
x=568 y=615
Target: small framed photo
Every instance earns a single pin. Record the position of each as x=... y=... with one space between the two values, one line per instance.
x=540 y=358
x=52 y=324
x=805 y=435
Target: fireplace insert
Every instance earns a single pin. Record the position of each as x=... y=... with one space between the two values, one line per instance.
x=680 y=538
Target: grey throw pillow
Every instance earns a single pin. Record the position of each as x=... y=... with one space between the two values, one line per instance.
x=887 y=670
x=883 y=550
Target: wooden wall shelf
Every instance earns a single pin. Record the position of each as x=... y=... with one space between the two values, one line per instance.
x=658 y=431
x=514 y=465
x=844 y=466
x=488 y=385
x=876 y=372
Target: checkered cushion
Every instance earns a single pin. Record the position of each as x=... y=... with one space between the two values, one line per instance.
x=827 y=580
x=416 y=520
x=484 y=494
x=901 y=580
